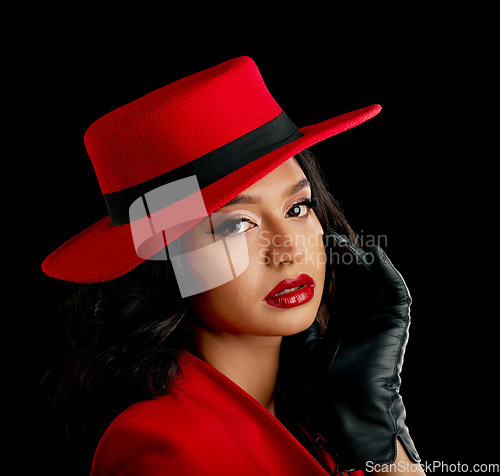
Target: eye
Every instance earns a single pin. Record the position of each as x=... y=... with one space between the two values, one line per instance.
x=301 y=209
x=234 y=227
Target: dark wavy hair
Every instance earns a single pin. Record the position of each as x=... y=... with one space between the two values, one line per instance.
x=123 y=338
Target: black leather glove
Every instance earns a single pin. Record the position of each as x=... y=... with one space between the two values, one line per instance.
x=360 y=356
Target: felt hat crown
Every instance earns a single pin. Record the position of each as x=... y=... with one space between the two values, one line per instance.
x=220 y=125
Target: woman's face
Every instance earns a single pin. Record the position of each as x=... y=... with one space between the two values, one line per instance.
x=265 y=236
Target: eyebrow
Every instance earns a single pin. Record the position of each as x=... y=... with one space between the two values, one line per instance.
x=249 y=199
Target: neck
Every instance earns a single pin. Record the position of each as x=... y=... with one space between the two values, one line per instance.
x=249 y=361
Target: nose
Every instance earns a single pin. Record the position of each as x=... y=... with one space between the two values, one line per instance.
x=283 y=245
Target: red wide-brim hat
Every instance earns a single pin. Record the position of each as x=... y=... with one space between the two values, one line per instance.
x=221 y=125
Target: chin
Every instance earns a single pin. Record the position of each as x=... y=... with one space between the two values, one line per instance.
x=292 y=321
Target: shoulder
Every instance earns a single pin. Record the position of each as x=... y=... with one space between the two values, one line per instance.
x=151 y=437
x=202 y=426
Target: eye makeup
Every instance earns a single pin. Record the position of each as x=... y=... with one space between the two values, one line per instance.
x=239 y=224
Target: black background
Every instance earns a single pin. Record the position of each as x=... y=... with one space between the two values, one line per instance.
x=418 y=173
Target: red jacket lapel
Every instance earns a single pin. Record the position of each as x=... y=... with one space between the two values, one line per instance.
x=206 y=425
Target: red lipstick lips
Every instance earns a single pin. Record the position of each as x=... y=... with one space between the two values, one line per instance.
x=291 y=292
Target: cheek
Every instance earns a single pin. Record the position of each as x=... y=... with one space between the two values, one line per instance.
x=210 y=264
x=315 y=248
x=224 y=306
x=316 y=257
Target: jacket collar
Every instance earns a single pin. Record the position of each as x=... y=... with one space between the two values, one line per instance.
x=219 y=394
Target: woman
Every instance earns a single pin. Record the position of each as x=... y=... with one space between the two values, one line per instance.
x=204 y=330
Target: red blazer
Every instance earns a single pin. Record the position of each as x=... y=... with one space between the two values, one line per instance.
x=207 y=425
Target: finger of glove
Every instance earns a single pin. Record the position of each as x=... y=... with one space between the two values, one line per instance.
x=344 y=245
x=375 y=278
x=393 y=285
x=372 y=259
x=311 y=335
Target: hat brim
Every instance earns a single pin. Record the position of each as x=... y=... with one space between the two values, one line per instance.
x=104 y=251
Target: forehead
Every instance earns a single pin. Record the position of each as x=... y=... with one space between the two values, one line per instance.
x=285 y=180
x=287 y=173
x=282 y=182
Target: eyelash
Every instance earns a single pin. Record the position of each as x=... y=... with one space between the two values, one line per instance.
x=311 y=204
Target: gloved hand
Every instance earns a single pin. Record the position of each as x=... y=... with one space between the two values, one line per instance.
x=360 y=356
